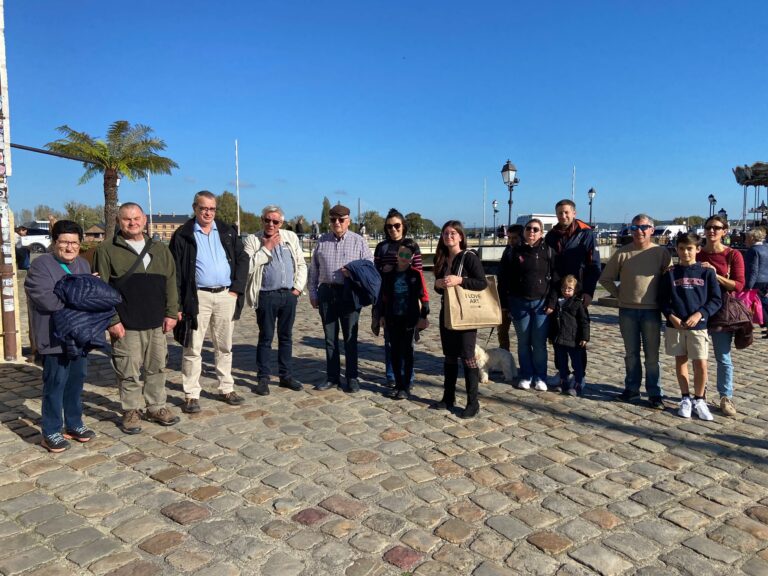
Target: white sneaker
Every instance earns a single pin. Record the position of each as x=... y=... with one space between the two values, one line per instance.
x=685 y=407
x=524 y=384
x=702 y=410
x=571 y=380
x=540 y=385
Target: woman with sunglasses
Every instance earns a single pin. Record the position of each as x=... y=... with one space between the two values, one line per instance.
x=385 y=260
x=403 y=310
x=526 y=281
x=728 y=264
x=457 y=266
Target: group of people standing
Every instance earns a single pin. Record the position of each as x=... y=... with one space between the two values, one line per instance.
x=199 y=284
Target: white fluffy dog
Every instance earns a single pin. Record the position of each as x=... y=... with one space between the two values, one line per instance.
x=495 y=360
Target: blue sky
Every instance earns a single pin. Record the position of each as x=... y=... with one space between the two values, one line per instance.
x=399 y=103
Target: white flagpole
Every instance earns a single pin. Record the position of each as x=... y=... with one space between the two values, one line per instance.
x=573 y=185
x=149 y=193
x=237 y=187
x=485 y=191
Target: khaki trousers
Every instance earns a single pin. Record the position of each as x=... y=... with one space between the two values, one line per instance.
x=215 y=311
x=141 y=347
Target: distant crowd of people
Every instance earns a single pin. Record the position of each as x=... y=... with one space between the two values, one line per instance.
x=139 y=290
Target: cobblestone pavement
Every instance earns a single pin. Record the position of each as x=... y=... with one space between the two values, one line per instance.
x=316 y=483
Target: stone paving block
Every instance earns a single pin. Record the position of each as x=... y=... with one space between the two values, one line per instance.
x=22 y=561
x=528 y=559
x=369 y=542
x=386 y=524
x=755 y=567
x=432 y=568
x=652 y=497
x=343 y=506
x=550 y=542
x=402 y=557
x=758 y=513
x=71 y=540
x=600 y=559
x=188 y=560
x=89 y=553
x=425 y=516
x=712 y=550
x=137 y=568
x=662 y=532
x=458 y=558
x=685 y=518
x=16 y=489
x=112 y=562
x=755 y=529
x=578 y=530
x=160 y=544
x=510 y=528
x=42 y=514
x=98 y=505
x=705 y=506
x=632 y=545
x=734 y=539
x=185 y=512
x=690 y=563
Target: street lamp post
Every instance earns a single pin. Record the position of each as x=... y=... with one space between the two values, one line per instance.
x=712 y=202
x=495 y=205
x=509 y=175
x=723 y=214
x=591 y=193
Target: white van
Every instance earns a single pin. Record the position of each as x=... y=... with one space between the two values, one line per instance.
x=547 y=220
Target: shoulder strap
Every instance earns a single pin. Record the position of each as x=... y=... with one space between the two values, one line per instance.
x=120 y=281
x=461 y=263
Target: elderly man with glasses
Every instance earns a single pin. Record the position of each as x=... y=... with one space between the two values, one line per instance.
x=211 y=271
x=638 y=267
x=337 y=306
x=277 y=278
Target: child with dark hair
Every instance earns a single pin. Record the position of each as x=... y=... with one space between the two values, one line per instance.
x=688 y=295
x=403 y=310
x=569 y=334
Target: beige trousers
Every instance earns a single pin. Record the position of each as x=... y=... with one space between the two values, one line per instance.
x=141 y=347
x=215 y=311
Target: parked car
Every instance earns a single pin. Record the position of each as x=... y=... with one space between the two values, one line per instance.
x=36 y=240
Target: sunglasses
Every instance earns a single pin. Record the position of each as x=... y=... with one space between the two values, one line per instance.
x=641 y=227
x=339 y=219
x=532 y=229
x=405 y=255
x=270 y=221
x=396 y=226
x=710 y=228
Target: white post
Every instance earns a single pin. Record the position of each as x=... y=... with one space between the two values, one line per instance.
x=237 y=188
x=573 y=185
x=149 y=193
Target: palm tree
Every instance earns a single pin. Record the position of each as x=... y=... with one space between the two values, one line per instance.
x=129 y=151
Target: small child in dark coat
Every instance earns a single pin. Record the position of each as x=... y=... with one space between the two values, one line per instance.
x=569 y=334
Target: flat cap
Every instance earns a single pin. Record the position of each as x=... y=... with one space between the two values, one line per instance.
x=339 y=210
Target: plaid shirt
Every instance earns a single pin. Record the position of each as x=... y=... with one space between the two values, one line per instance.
x=331 y=255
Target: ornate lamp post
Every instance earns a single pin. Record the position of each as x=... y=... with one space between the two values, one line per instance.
x=723 y=214
x=495 y=205
x=712 y=202
x=509 y=175
x=591 y=193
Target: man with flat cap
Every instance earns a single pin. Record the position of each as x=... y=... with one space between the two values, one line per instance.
x=327 y=293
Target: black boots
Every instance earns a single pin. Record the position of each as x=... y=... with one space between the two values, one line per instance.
x=472 y=378
x=451 y=373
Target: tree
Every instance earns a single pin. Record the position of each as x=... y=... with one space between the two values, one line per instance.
x=691 y=221
x=374 y=222
x=413 y=219
x=44 y=212
x=325 y=219
x=84 y=215
x=128 y=151
x=226 y=207
x=25 y=216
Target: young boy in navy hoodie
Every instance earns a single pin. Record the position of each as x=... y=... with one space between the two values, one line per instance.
x=688 y=295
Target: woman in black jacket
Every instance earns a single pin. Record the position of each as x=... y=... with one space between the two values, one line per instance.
x=457 y=266
x=526 y=278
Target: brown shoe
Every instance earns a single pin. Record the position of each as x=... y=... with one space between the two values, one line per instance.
x=231 y=398
x=131 y=422
x=162 y=417
x=191 y=406
x=727 y=407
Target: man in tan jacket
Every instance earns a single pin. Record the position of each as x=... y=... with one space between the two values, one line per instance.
x=638 y=267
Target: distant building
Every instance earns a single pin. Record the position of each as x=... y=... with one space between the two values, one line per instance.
x=95 y=233
x=164 y=225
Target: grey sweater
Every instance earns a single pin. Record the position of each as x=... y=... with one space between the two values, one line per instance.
x=43 y=275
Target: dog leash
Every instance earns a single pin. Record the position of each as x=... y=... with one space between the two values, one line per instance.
x=489 y=336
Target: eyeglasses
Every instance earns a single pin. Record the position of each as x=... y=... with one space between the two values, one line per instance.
x=710 y=228
x=641 y=227
x=405 y=255
x=339 y=219
x=532 y=229
x=206 y=209
x=270 y=221
x=73 y=244
x=396 y=226
x=450 y=234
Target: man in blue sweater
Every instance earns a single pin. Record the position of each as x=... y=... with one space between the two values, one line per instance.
x=688 y=295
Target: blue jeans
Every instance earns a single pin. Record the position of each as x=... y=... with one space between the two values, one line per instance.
x=276 y=307
x=388 y=358
x=62 y=392
x=335 y=310
x=531 y=325
x=721 y=343
x=641 y=327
